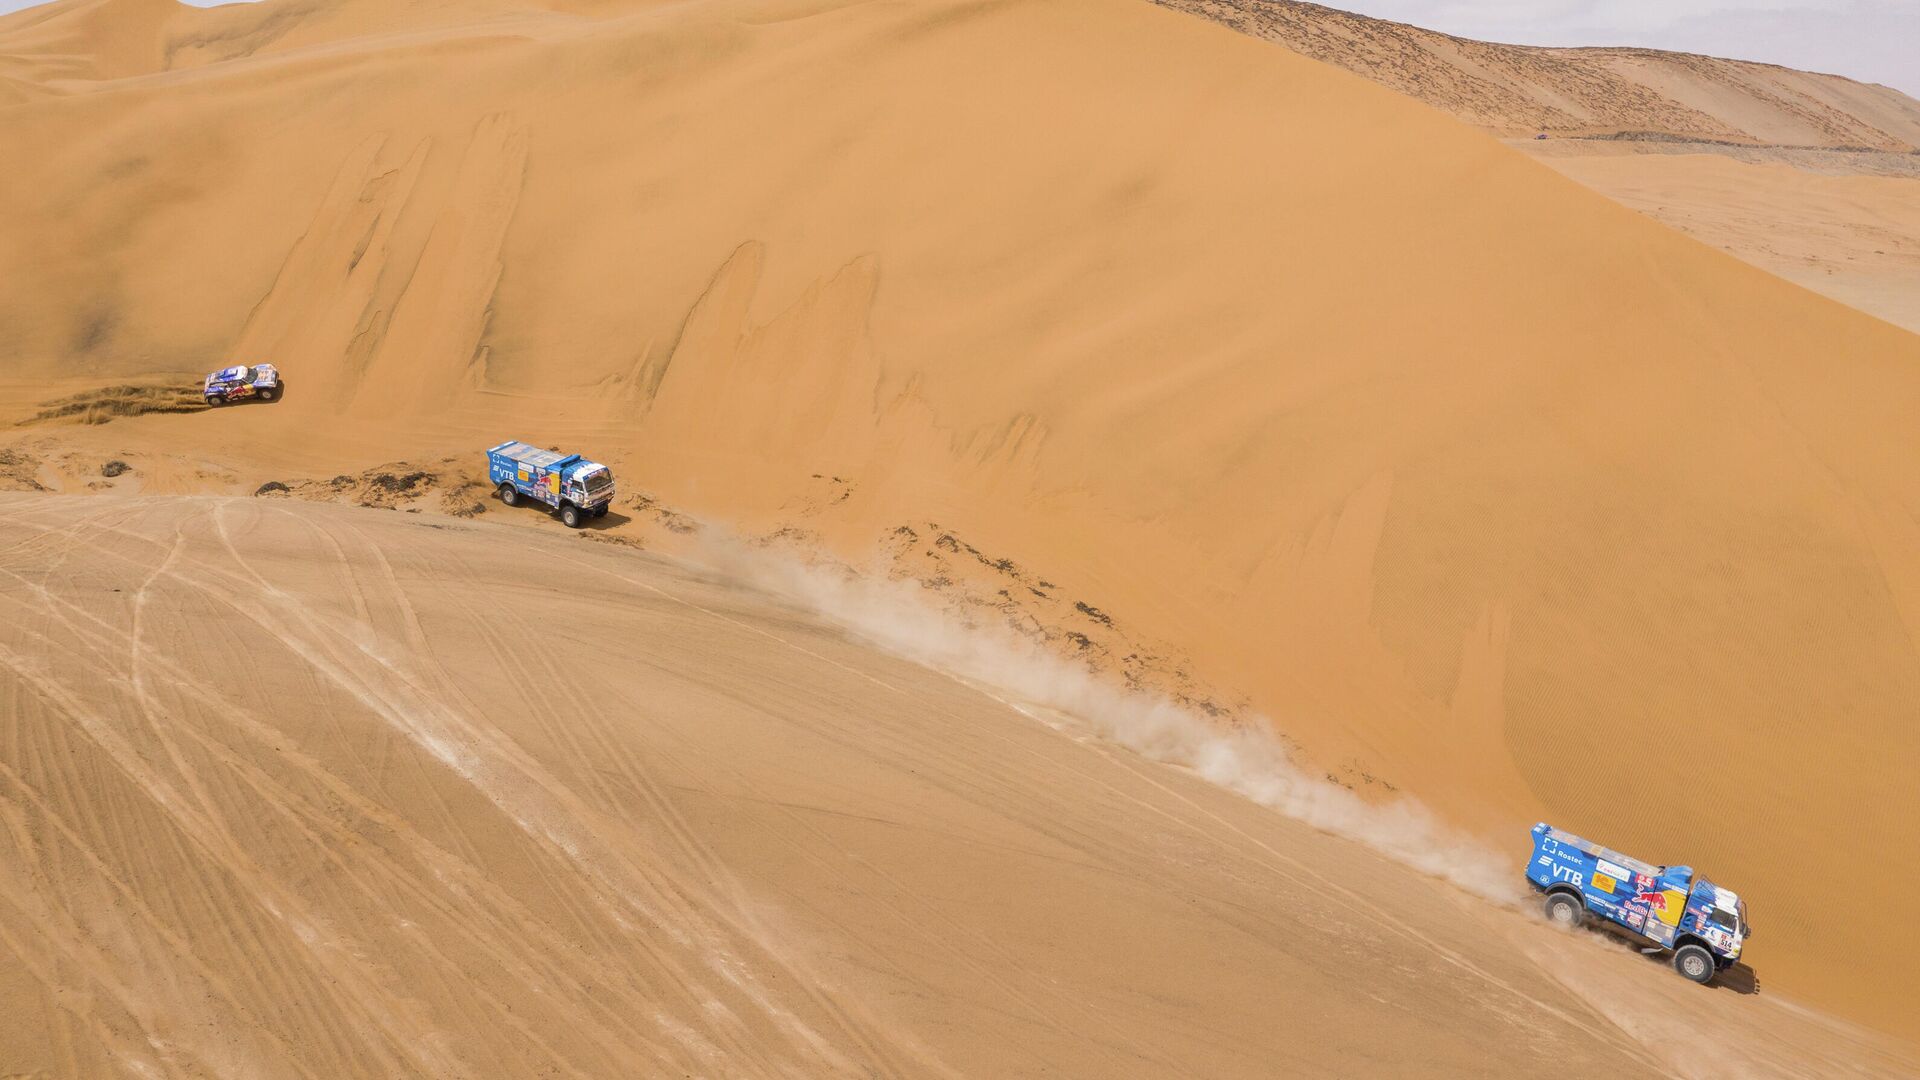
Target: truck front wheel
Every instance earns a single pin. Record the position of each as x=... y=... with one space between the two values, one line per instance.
x=1695 y=962
x=570 y=515
x=601 y=510
x=1564 y=910
x=509 y=495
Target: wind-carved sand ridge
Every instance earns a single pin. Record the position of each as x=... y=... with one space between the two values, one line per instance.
x=1489 y=493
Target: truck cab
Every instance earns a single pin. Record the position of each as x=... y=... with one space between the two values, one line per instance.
x=590 y=485
x=1703 y=925
x=575 y=488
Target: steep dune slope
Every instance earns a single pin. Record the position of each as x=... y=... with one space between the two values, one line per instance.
x=1480 y=486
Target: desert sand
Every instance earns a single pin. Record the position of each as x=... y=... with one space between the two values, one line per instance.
x=1303 y=402
x=307 y=790
x=1839 y=225
x=1831 y=206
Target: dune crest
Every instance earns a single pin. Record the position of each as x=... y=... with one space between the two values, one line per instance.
x=1828 y=180
x=1628 y=93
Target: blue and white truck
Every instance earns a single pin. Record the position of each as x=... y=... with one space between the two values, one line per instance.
x=1702 y=924
x=569 y=484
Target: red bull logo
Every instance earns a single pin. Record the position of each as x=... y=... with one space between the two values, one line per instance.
x=1667 y=905
x=1654 y=900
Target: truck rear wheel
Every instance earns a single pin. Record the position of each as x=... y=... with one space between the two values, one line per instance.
x=1564 y=910
x=1695 y=962
x=509 y=495
x=570 y=515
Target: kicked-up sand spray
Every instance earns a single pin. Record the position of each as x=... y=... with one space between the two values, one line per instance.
x=1247 y=759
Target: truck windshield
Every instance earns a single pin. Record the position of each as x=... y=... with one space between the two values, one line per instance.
x=600 y=481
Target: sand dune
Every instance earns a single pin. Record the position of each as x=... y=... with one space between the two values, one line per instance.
x=1850 y=235
x=1830 y=210
x=364 y=796
x=299 y=790
x=1483 y=488
x=1634 y=93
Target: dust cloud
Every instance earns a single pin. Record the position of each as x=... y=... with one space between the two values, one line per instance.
x=1248 y=759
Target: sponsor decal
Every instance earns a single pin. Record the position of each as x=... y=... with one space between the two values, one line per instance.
x=1672 y=906
x=1669 y=904
x=1614 y=870
x=1604 y=883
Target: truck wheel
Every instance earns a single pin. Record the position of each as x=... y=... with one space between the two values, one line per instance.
x=570 y=515
x=1564 y=910
x=601 y=510
x=509 y=495
x=268 y=393
x=214 y=401
x=1695 y=962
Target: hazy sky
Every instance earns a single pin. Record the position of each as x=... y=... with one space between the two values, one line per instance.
x=1872 y=40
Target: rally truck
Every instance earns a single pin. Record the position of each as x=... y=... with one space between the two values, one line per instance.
x=569 y=484
x=241 y=382
x=1703 y=925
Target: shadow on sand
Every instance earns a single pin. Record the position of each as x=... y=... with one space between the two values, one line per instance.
x=612 y=520
x=1739 y=978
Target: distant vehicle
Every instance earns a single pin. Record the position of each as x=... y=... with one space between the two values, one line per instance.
x=1702 y=924
x=241 y=382
x=571 y=485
